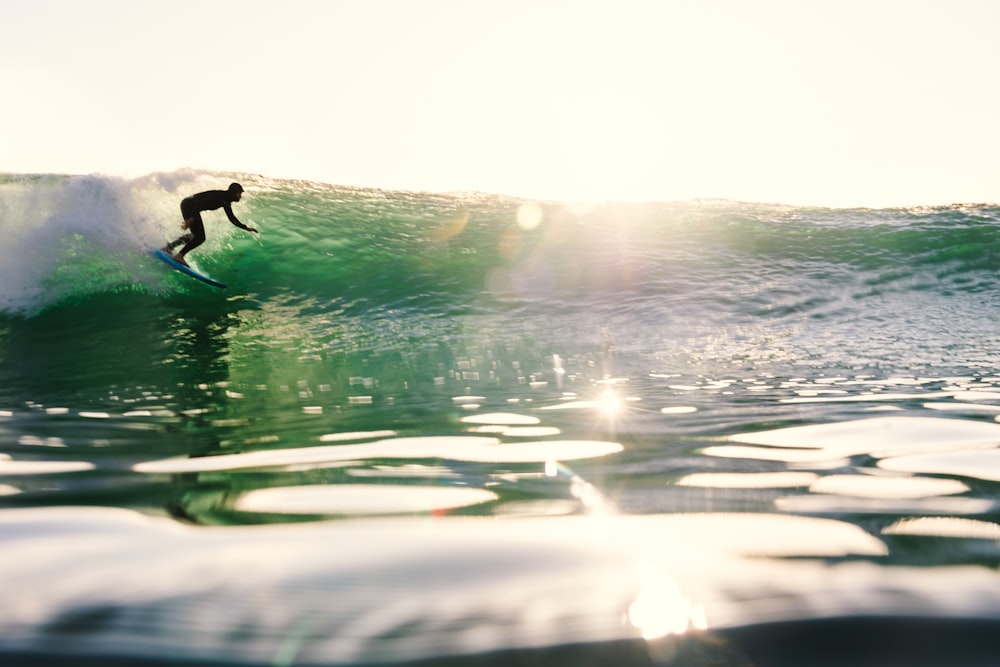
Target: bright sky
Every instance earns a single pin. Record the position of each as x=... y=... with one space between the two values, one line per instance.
x=832 y=102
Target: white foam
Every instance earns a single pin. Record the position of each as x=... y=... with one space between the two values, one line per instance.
x=66 y=235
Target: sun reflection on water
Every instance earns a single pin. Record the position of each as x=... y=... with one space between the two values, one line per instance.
x=661 y=608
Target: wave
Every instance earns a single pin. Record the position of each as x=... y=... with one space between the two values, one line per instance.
x=70 y=238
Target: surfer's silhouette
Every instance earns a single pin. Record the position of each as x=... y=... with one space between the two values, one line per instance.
x=191 y=209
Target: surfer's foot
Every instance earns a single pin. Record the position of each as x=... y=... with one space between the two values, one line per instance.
x=180 y=260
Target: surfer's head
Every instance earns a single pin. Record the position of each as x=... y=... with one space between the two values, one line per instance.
x=236 y=190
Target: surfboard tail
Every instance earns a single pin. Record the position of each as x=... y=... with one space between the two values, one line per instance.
x=173 y=263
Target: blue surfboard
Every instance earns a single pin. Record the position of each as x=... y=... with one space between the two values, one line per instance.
x=167 y=259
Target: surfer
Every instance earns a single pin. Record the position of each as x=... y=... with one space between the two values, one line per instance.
x=191 y=209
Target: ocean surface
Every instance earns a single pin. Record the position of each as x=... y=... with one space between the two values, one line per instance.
x=465 y=428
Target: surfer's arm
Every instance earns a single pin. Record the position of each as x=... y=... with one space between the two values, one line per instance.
x=236 y=222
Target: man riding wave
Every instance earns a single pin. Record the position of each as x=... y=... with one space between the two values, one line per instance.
x=191 y=209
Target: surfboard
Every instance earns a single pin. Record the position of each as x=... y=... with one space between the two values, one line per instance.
x=167 y=259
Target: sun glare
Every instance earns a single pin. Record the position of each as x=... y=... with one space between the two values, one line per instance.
x=661 y=608
x=610 y=404
x=671 y=101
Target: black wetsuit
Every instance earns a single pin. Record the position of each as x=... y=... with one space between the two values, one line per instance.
x=191 y=209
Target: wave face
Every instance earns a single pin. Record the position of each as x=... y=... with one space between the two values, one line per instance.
x=325 y=241
x=919 y=278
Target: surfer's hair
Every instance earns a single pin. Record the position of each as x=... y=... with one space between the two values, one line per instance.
x=235 y=187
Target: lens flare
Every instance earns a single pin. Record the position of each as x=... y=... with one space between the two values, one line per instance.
x=529 y=216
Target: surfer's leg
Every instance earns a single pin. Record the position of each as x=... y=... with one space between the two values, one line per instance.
x=194 y=239
x=173 y=244
x=187 y=213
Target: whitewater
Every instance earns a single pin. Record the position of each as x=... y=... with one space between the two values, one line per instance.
x=464 y=427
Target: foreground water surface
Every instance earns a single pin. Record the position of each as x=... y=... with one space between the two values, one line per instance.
x=452 y=427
